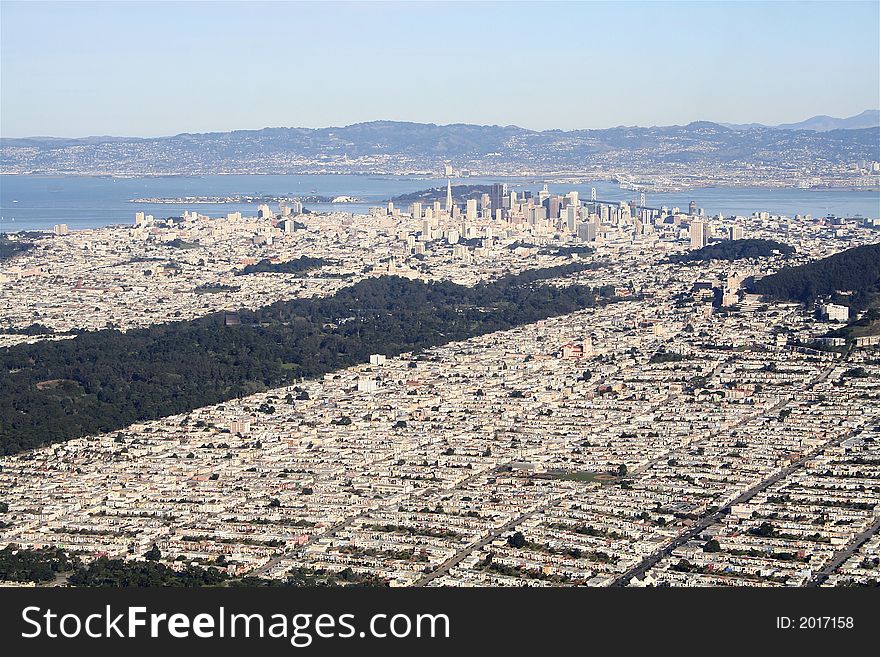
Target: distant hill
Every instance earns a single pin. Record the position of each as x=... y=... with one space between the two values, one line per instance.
x=867 y=119
x=820 y=123
x=850 y=278
x=734 y=250
x=394 y=147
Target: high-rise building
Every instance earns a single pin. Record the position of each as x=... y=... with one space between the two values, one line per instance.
x=692 y=208
x=416 y=211
x=448 y=196
x=737 y=232
x=537 y=215
x=698 y=234
x=587 y=232
x=571 y=217
x=471 y=213
x=496 y=194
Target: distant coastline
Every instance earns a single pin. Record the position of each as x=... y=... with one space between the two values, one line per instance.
x=39 y=202
x=223 y=200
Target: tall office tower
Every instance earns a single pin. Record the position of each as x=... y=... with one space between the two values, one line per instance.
x=426 y=228
x=537 y=215
x=571 y=217
x=573 y=197
x=447 y=170
x=416 y=211
x=283 y=209
x=637 y=226
x=436 y=208
x=553 y=205
x=698 y=234
x=448 y=196
x=296 y=207
x=138 y=218
x=587 y=232
x=390 y=207
x=737 y=232
x=264 y=212
x=692 y=208
x=496 y=196
x=288 y=226
x=471 y=213
x=485 y=203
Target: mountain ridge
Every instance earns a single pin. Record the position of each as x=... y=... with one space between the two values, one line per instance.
x=869 y=118
x=394 y=146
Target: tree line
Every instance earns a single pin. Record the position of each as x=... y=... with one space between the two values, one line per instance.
x=734 y=250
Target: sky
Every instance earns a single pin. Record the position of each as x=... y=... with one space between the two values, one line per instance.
x=161 y=68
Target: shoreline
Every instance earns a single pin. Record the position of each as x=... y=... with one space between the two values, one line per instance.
x=554 y=178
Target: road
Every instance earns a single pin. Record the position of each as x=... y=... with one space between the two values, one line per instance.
x=345 y=522
x=654 y=558
x=841 y=556
x=651 y=560
x=637 y=570
x=457 y=558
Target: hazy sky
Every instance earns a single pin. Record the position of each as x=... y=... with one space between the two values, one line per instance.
x=145 y=68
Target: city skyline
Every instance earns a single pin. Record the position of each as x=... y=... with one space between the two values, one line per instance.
x=155 y=69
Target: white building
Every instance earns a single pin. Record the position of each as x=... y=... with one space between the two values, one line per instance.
x=835 y=313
